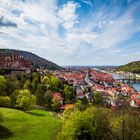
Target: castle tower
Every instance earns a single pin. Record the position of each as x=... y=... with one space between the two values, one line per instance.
x=15 y=56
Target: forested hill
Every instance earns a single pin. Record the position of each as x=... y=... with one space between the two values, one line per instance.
x=133 y=67
x=36 y=60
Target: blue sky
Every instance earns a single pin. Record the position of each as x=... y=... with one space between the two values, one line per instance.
x=73 y=32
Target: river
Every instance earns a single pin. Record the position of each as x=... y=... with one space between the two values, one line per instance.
x=136 y=86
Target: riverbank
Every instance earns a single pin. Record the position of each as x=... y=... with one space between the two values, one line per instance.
x=121 y=75
x=136 y=86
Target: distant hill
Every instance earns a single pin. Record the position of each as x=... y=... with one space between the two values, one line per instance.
x=36 y=60
x=133 y=67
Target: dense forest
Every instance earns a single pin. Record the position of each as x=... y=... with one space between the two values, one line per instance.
x=37 y=61
x=133 y=67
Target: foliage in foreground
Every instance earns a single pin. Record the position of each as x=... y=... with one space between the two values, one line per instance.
x=100 y=124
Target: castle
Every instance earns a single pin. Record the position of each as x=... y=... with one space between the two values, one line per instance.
x=15 y=62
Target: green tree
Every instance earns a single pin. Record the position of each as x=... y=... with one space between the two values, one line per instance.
x=52 y=83
x=5 y=101
x=55 y=83
x=35 y=84
x=98 y=98
x=35 y=75
x=27 y=85
x=25 y=100
x=125 y=125
x=48 y=98
x=98 y=123
x=77 y=126
x=69 y=93
x=55 y=104
x=46 y=81
x=40 y=94
x=22 y=77
x=3 y=86
x=12 y=84
x=14 y=97
x=101 y=123
x=79 y=105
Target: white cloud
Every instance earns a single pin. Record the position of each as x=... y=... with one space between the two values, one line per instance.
x=118 y=31
x=68 y=15
x=95 y=40
x=89 y=2
x=81 y=37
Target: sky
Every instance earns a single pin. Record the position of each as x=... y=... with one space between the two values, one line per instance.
x=73 y=32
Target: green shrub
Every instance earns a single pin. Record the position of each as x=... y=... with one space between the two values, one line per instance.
x=3 y=86
x=55 y=104
x=5 y=101
x=13 y=97
x=25 y=100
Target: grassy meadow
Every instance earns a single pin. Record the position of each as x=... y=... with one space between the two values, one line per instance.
x=35 y=125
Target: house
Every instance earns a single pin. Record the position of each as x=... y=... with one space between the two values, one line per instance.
x=113 y=92
x=89 y=96
x=127 y=90
x=57 y=96
x=135 y=100
x=79 y=93
x=98 y=87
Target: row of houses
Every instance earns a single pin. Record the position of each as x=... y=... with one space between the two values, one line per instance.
x=77 y=79
x=113 y=91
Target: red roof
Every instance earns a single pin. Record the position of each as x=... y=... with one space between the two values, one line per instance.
x=57 y=96
x=135 y=97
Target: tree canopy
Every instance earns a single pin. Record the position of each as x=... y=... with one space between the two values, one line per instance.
x=3 y=86
x=133 y=67
x=97 y=123
x=25 y=100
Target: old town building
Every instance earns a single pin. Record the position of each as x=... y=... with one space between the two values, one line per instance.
x=15 y=62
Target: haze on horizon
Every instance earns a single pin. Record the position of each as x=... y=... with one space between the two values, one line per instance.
x=73 y=32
